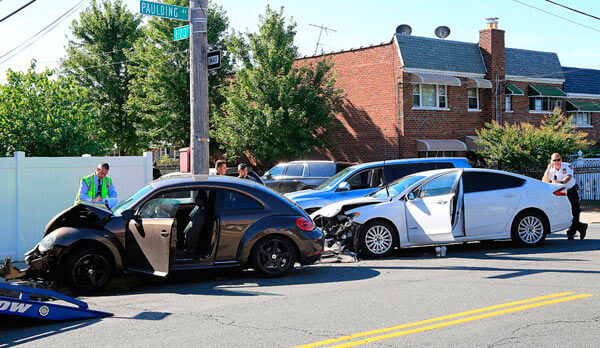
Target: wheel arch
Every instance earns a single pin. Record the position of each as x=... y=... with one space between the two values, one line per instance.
x=375 y=219
x=74 y=239
x=539 y=211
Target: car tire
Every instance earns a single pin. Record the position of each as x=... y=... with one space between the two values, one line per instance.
x=273 y=256
x=377 y=239
x=87 y=270
x=529 y=229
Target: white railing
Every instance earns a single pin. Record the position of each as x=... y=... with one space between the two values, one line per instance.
x=34 y=189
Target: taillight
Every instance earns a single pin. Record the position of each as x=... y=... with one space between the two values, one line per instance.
x=560 y=192
x=305 y=224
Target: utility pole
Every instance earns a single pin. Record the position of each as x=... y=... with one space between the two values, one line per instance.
x=199 y=87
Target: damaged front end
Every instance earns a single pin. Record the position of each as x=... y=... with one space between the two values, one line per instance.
x=340 y=233
x=42 y=261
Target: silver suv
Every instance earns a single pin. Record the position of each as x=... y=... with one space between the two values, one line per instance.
x=301 y=175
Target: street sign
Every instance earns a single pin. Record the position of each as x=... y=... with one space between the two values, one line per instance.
x=181 y=33
x=164 y=10
x=214 y=60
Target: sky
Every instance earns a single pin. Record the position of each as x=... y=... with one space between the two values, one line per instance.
x=356 y=24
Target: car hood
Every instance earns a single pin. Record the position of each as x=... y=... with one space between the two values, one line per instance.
x=336 y=208
x=303 y=194
x=100 y=214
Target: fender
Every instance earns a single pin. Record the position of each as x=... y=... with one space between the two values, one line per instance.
x=264 y=228
x=66 y=237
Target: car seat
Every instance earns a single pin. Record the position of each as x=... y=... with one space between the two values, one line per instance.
x=191 y=232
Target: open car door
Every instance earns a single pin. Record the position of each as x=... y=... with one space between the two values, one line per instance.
x=151 y=237
x=431 y=209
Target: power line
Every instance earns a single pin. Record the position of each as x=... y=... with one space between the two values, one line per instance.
x=41 y=33
x=16 y=11
x=555 y=15
x=572 y=9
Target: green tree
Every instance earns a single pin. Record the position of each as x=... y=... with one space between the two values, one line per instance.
x=275 y=109
x=46 y=116
x=160 y=90
x=97 y=59
x=526 y=149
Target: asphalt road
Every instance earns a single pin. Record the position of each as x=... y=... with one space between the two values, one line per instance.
x=466 y=299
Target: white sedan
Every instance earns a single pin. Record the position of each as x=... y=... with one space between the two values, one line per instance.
x=447 y=206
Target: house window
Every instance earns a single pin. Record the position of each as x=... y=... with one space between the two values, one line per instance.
x=508 y=103
x=581 y=119
x=544 y=103
x=430 y=96
x=473 y=95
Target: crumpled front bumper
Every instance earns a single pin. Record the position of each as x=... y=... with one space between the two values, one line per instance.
x=38 y=266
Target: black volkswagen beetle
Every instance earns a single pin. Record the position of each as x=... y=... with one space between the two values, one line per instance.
x=179 y=223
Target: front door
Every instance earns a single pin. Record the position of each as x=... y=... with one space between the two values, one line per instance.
x=151 y=237
x=430 y=210
x=361 y=184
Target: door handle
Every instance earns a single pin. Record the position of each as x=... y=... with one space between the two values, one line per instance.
x=508 y=195
x=413 y=228
x=164 y=233
x=442 y=202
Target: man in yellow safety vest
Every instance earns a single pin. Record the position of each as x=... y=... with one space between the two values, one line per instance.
x=97 y=187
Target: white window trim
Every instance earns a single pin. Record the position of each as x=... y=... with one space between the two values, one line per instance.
x=508 y=97
x=543 y=112
x=477 y=94
x=556 y=99
x=429 y=108
x=437 y=98
x=574 y=114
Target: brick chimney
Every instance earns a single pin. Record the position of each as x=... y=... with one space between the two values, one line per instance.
x=491 y=43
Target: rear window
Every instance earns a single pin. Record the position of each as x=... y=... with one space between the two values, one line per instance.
x=324 y=170
x=396 y=171
x=237 y=201
x=483 y=181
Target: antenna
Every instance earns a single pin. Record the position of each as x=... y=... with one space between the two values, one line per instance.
x=323 y=28
x=442 y=31
x=404 y=29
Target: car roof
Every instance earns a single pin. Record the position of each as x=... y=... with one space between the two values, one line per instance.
x=314 y=161
x=447 y=170
x=410 y=160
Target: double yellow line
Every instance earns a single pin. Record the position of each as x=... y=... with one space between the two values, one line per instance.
x=521 y=306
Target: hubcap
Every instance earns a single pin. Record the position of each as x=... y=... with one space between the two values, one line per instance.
x=378 y=239
x=274 y=256
x=531 y=229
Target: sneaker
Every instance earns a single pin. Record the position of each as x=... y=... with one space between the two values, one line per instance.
x=583 y=231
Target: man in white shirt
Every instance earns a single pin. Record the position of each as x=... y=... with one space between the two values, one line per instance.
x=561 y=173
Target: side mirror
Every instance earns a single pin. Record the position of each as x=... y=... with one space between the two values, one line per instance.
x=268 y=176
x=410 y=196
x=345 y=186
x=127 y=215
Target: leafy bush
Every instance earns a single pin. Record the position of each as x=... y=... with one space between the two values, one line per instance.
x=522 y=147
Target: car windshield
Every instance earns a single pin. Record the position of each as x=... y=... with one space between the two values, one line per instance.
x=334 y=178
x=129 y=201
x=396 y=187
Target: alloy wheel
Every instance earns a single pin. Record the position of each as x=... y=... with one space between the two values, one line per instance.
x=274 y=256
x=91 y=271
x=530 y=229
x=378 y=239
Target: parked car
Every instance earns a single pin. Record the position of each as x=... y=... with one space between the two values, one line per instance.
x=231 y=171
x=362 y=179
x=179 y=223
x=448 y=206
x=300 y=175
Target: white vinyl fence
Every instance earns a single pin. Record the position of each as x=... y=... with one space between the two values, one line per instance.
x=34 y=189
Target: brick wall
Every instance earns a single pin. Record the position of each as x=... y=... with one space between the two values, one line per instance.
x=455 y=123
x=367 y=128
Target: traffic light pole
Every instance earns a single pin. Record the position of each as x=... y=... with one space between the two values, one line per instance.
x=199 y=87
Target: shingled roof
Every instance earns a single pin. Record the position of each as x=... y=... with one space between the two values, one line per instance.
x=532 y=63
x=578 y=80
x=445 y=55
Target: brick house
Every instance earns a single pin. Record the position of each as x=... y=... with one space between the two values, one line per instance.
x=417 y=96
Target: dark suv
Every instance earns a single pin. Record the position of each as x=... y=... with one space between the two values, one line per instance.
x=300 y=175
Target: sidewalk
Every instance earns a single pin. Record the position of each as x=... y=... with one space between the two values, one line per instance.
x=591 y=216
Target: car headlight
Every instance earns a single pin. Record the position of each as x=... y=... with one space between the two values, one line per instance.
x=47 y=243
